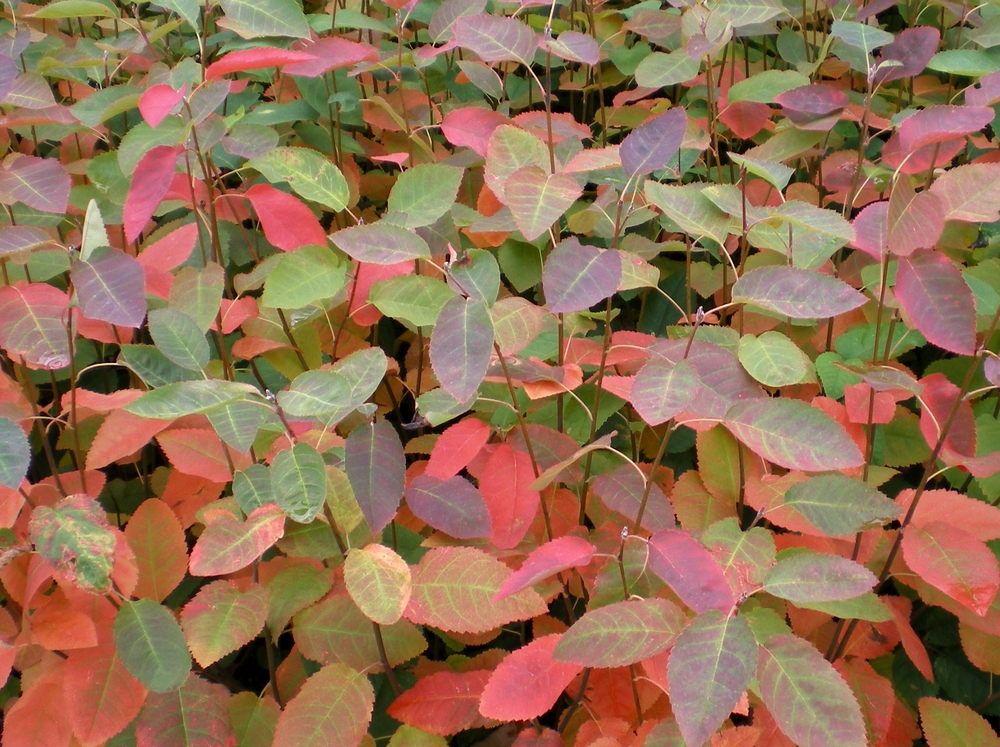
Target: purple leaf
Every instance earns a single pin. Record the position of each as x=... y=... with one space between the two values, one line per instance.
x=33 y=324
x=461 y=345
x=453 y=506
x=380 y=243
x=577 y=276
x=24 y=238
x=654 y=144
x=938 y=123
x=496 y=38
x=936 y=299
x=871 y=230
x=813 y=107
x=690 y=570
x=662 y=389
x=574 y=46
x=376 y=468
x=40 y=183
x=915 y=219
x=914 y=48
x=800 y=294
x=111 y=288
x=8 y=74
x=621 y=490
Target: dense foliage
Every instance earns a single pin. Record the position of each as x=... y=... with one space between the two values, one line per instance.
x=586 y=373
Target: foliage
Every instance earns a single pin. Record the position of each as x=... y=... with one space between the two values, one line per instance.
x=414 y=373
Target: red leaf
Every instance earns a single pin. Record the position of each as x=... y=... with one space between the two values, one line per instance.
x=39 y=718
x=101 y=696
x=172 y=250
x=330 y=53
x=444 y=703
x=198 y=452
x=193 y=716
x=33 y=324
x=227 y=544
x=938 y=399
x=471 y=127
x=512 y=505
x=746 y=118
x=938 y=123
x=813 y=107
x=976 y=517
x=912 y=645
x=332 y=709
x=874 y=694
x=287 y=222
x=871 y=230
x=549 y=559
x=150 y=183
x=858 y=398
x=690 y=570
x=914 y=220
x=120 y=435
x=955 y=562
x=255 y=59
x=527 y=683
x=936 y=299
x=159 y=101
x=456 y=447
x=156 y=538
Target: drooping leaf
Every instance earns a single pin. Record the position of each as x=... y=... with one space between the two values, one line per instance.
x=793 y=435
x=817 y=577
x=574 y=46
x=947 y=724
x=454 y=587
x=304 y=276
x=654 y=144
x=937 y=300
x=266 y=18
x=505 y=485
x=33 y=324
x=838 y=505
x=378 y=581
x=621 y=634
x=454 y=506
x=380 y=243
x=228 y=544
x=152 y=178
x=442 y=703
x=953 y=561
x=74 y=536
x=692 y=211
x=808 y=699
x=496 y=38
x=800 y=294
x=193 y=715
x=577 y=276
x=311 y=175
x=690 y=570
x=376 y=466
x=461 y=346
x=554 y=556
x=177 y=336
x=151 y=645
x=157 y=540
x=425 y=193
x=534 y=675
x=709 y=668
x=111 y=288
x=662 y=389
x=538 y=199
x=298 y=481
x=15 y=453
x=102 y=698
x=221 y=618
x=331 y=394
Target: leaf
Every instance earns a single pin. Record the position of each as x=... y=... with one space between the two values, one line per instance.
x=74 y=9
x=157 y=541
x=40 y=183
x=773 y=359
x=817 y=577
x=575 y=46
x=442 y=703
x=156 y=103
x=938 y=123
x=237 y=423
x=291 y=590
x=537 y=199
x=332 y=709
x=509 y=149
x=954 y=561
x=228 y=544
x=378 y=581
x=267 y=18
x=177 y=336
x=577 y=276
x=690 y=570
x=622 y=489
x=380 y=243
x=102 y=698
x=933 y=294
x=453 y=506
x=38 y=718
x=302 y=277
x=416 y=299
x=864 y=37
x=308 y=172
x=661 y=69
x=456 y=447
x=192 y=716
x=151 y=645
x=424 y=193
x=454 y=587
x=709 y=668
x=298 y=480
x=332 y=394
x=654 y=144
x=198 y=293
x=799 y=294
x=839 y=506
x=376 y=468
x=554 y=556
x=33 y=324
x=461 y=346
x=970 y=192
x=621 y=634
x=253 y=719
x=150 y=183
x=954 y=725
x=765 y=86
x=496 y=38
x=914 y=220
x=793 y=435
x=221 y=618
x=505 y=485
x=912 y=48
x=15 y=454
x=197 y=451
x=528 y=682
x=286 y=221
x=330 y=53
x=255 y=58
x=188 y=398
x=810 y=702
x=692 y=211
x=75 y=538
x=749 y=12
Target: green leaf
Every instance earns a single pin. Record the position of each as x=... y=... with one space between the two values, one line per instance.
x=253 y=18
x=764 y=87
x=189 y=10
x=709 y=669
x=861 y=35
x=808 y=699
x=416 y=299
x=152 y=366
x=220 y=619
x=478 y=275
x=776 y=174
x=970 y=62
x=74 y=536
x=105 y=103
x=865 y=606
x=666 y=69
x=749 y=12
x=298 y=479
x=425 y=193
x=538 y=199
x=461 y=346
x=189 y=398
x=774 y=360
x=380 y=243
x=817 y=577
x=621 y=633
x=291 y=590
x=238 y=423
x=954 y=725
x=252 y=487
x=332 y=709
x=198 y=293
x=378 y=581
x=177 y=336
x=15 y=454
x=692 y=211
x=304 y=276
x=839 y=506
x=314 y=394
x=253 y=719
x=74 y=9
x=309 y=173
x=151 y=645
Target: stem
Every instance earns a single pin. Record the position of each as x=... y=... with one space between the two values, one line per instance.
x=393 y=682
